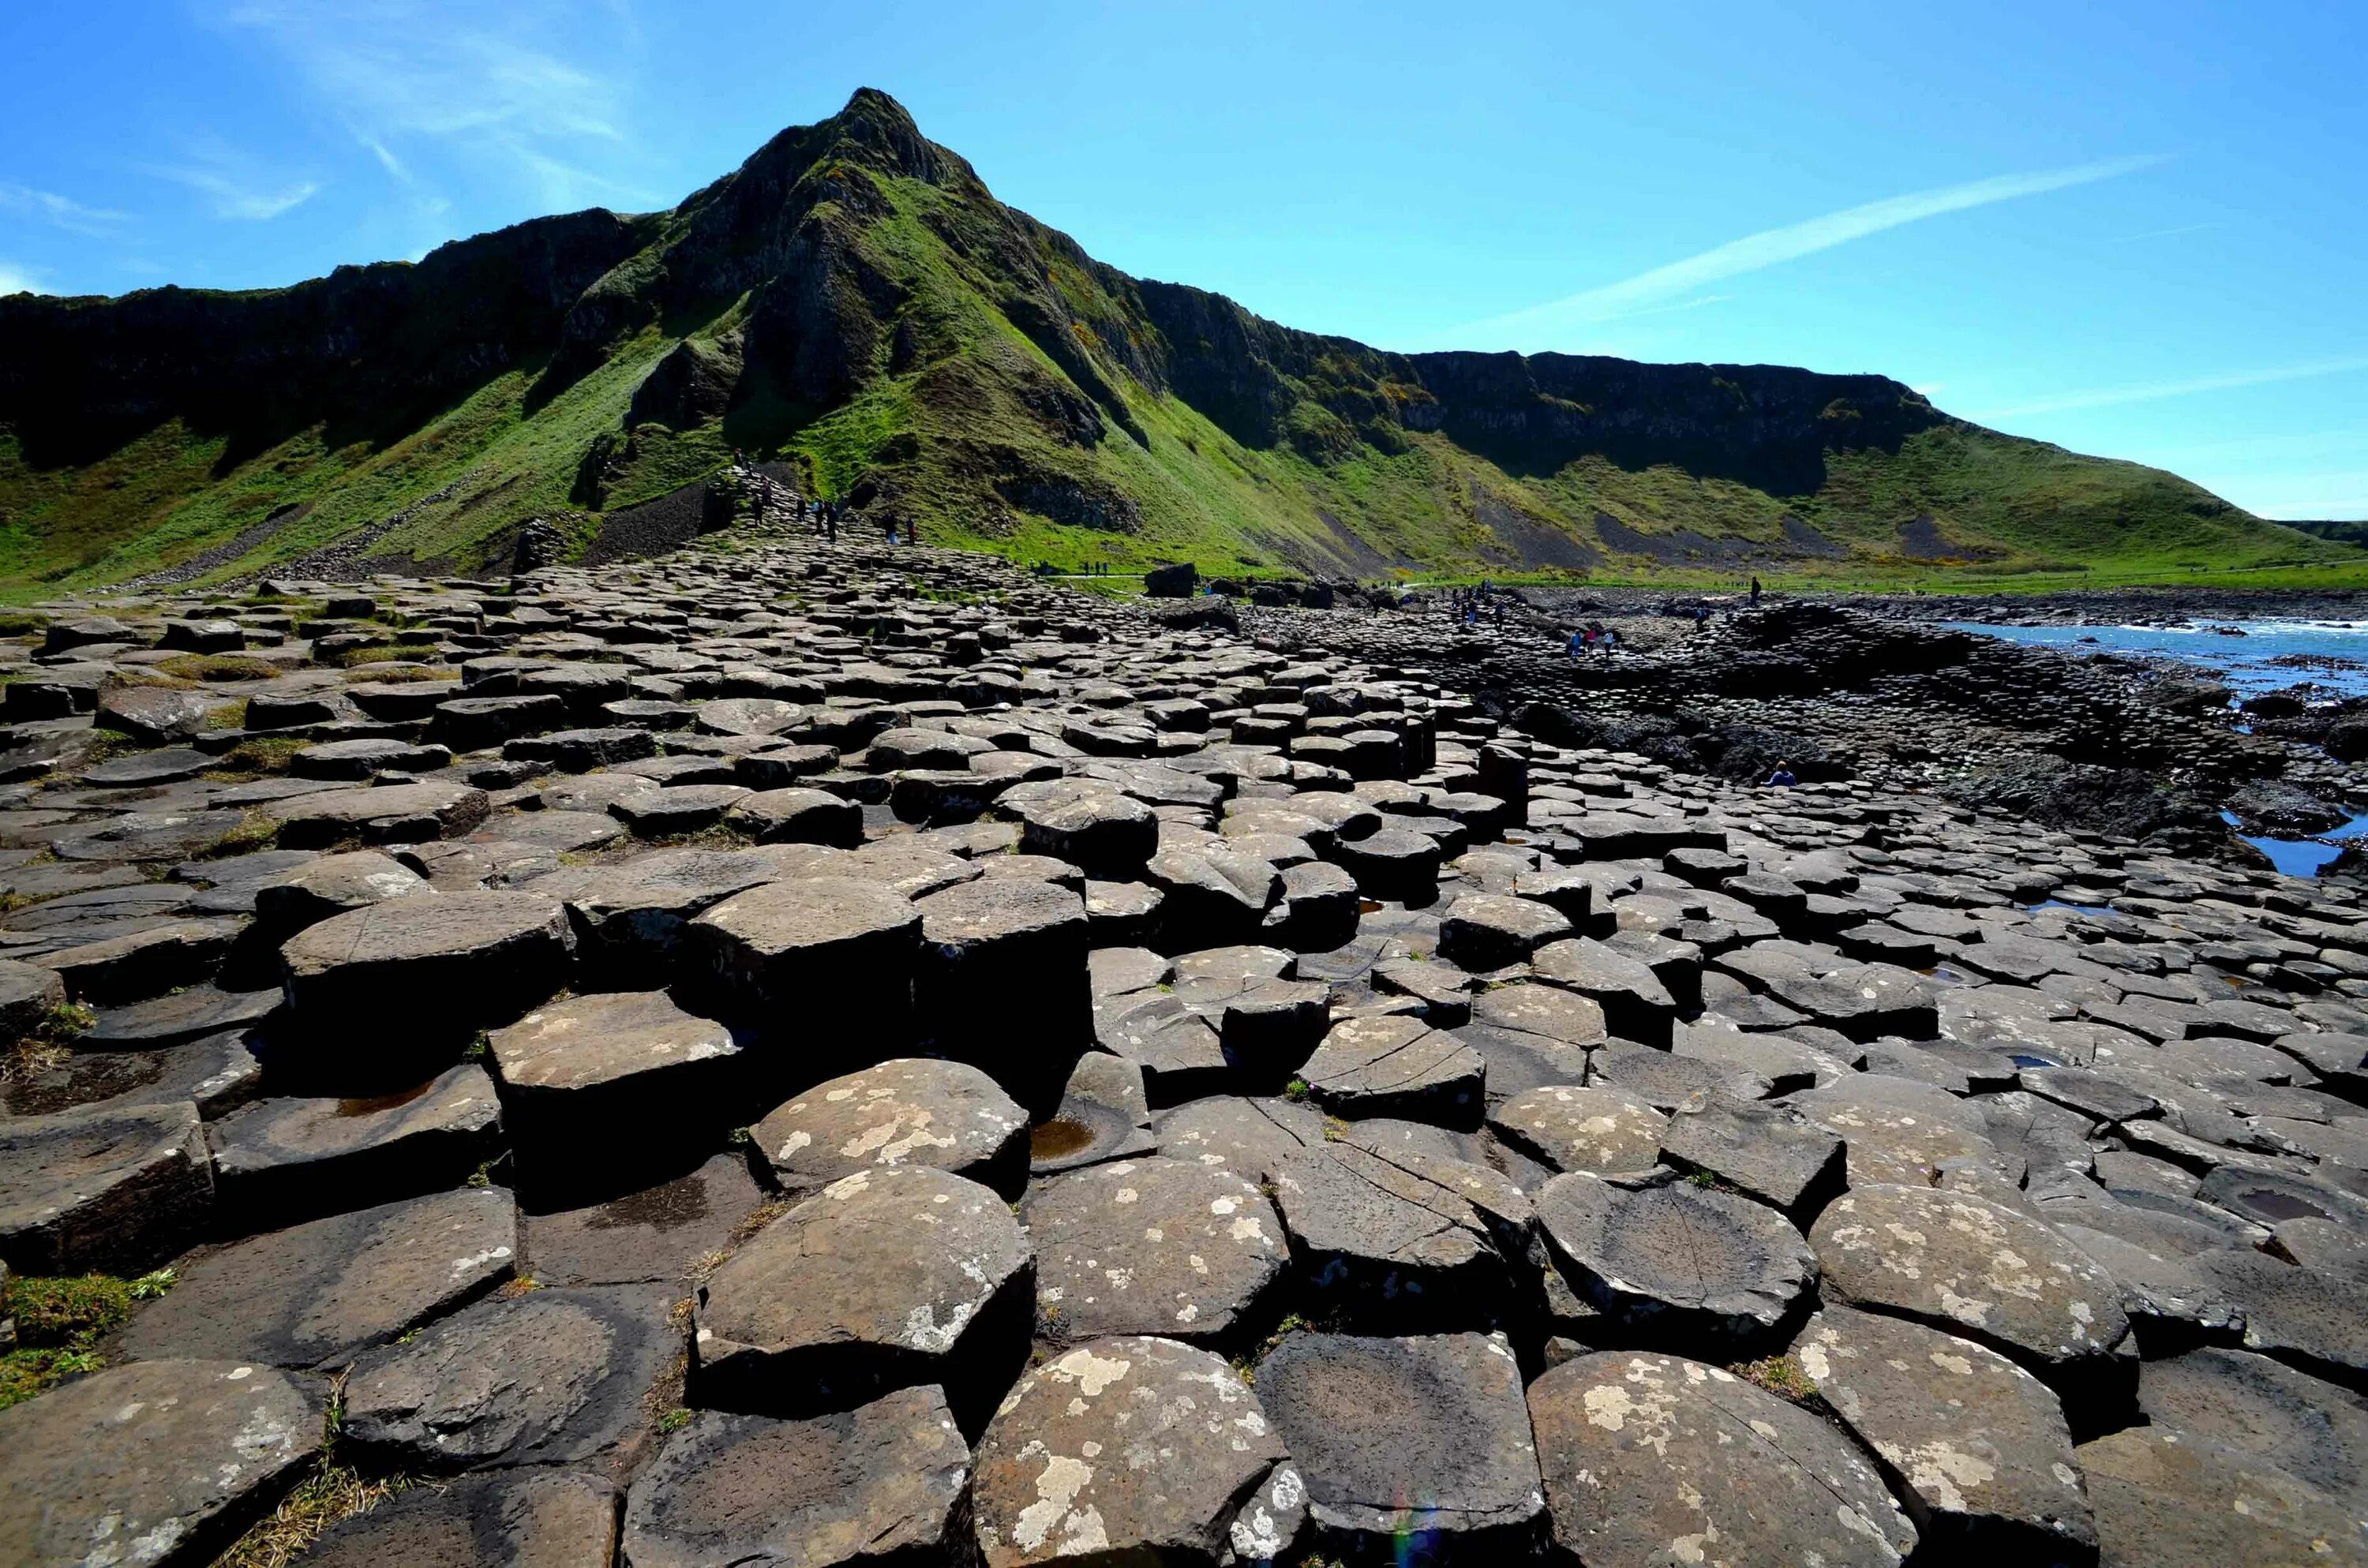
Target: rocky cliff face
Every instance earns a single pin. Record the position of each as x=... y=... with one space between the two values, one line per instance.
x=853 y=299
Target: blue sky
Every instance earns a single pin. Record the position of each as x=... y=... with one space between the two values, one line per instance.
x=2137 y=230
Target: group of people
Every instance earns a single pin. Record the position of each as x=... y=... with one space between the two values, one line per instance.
x=1466 y=604
x=1592 y=638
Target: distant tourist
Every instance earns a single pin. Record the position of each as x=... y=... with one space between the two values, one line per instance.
x=1755 y=593
x=1577 y=644
x=1782 y=777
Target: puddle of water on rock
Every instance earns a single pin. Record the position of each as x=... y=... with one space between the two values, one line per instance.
x=2283 y=1205
x=2022 y=1061
x=2302 y=857
x=1369 y=905
x=373 y=1105
x=2076 y=908
x=1058 y=1139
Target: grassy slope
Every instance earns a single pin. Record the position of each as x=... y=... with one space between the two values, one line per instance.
x=486 y=464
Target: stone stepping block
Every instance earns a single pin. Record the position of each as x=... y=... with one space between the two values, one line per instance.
x=1105 y=1114
x=904 y=1112
x=399 y=813
x=1901 y=1132
x=313 y=1295
x=177 y=1018
x=599 y=1089
x=545 y=1377
x=1398 y=1067
x=523 y=1519
x=1971 y=1267
x=1001 y=982
x=630 y=918
x=1650 y=1458
x=1187 y=1250
x=2312 y=1430
x=27 y=995
x=401 y=700
x=142 y=963
x=1977 y=1448
x=1671 y=1083
x=1091 y=825
x=360 y=759
x=423 y=971
x=168 y=765
x=1251 y=1138
x=280 y=1161
x=218 y=1075
x=747 y=716
x=1425 y=1437
x=1483 y=931
x=1398 y=1240
x=879 y=1484
x=1565 y=1127
x=1676 y=1263
x=2163 y=1496
x=662 y=1233
x=581 y=751
x=932 y=1282
x=118 y=1189
x=1863 y=1003
x=156 y=715
x=798 y=816
x=1635 y=1005
x=1131 y=1450
x=334 y=885
x=1212 y=896
x=474 y=723
x=148 y=836
x=2313 y=1318
x=1767 y=1152
x=675 y=809
x=807 y=960
x=155 y=1463
x=1393 y=863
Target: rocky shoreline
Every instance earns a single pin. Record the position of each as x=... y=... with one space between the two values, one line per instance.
x=803 y=1054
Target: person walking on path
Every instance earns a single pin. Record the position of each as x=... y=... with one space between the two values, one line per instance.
x=1755 y=593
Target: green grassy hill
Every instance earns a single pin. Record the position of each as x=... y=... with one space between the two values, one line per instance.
x=853 y=301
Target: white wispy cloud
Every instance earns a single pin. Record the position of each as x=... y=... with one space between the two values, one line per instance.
x=17 y=280
x=1771 y=248
x=239 y=196
x=61 y=212
x=510 y=85
x=2148 y=392
x=2163 y=233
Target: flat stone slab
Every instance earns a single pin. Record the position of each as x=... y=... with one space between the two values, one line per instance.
x=527 y=1519
x=316 y=1294
x=1251 y=1138
x=177 y=1018
x=218 y=1075
x=816 y=952
x=546 y=1377
x=2312 y=1430
x=883 y=1483
x=1982 y=1456
x=2165 y=1496
x=279 y=1161
x=907 y=1111
x=1127 y=1450
x=1652 y=1459
x=1769 y=1152
x=1164 y=1245
x=433 y=964
x=1398 y=1067
x=931 y=1280
x=1635 y=1005
x=663 y=1232
x=399 y=813
x=1675 y=1263
x=1425 y=1437
x=1397 y=1240
x=1971 y=1267
x=1902 y=1132
x=155 y=1463
x=598 y=1088
x=118 y=1191
x=1567 y=1127
x=1483 y=931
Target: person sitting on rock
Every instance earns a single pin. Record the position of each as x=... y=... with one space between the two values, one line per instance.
x=1782 y=777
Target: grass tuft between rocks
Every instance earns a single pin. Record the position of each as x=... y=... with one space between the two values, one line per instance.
x=1780 y=1375
x=61 y=1322
x=332 y=1493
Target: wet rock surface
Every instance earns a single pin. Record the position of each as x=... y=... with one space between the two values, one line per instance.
x=868 y=998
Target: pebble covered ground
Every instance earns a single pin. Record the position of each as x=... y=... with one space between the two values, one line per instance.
x=804 y=1055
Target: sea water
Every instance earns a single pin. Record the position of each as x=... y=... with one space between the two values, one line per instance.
x=2244 y=663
